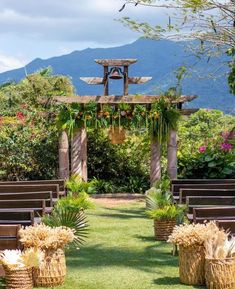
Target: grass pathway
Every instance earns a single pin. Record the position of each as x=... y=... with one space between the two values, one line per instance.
x=121 y=253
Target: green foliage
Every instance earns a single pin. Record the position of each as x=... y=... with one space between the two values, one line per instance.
x=76 y=185
x=202 y=153
x=159 y=203
x=231 y=78
x=122 y=168
x=29 y=139
x=214 y=163
x=75 y=220
x=159 y=196
x=167 y=213
x=162 y=117
x=75 y=202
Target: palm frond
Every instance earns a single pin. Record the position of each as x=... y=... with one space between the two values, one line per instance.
x=71 y=219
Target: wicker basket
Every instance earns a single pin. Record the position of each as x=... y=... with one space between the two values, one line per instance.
x=163 y=229
x=18 y=278
x=52 y=271
x=220 y=273
x=192 y=265
x=117 y=135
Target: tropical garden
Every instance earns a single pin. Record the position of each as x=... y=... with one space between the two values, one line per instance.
x=111 y=242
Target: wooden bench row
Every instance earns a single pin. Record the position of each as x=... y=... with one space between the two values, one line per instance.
x=176 y=184
x=23 y=201
x=207 y=200
x=59 y=182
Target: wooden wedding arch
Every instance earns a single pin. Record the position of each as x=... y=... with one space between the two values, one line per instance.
x=78 y=145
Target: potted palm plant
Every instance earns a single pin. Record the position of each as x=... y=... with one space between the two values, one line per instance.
x=160 y=208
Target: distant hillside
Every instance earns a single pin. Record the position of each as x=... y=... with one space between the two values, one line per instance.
x=158 y=59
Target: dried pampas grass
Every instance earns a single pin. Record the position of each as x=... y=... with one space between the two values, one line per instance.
x=45 y=237
x=187 y=235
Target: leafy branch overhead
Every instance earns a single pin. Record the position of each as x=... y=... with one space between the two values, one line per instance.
x=210 y=21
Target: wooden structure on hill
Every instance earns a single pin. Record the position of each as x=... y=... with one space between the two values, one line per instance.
x=115 y=69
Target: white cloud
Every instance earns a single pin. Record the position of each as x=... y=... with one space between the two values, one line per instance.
x=46 y=28
x=8 y=62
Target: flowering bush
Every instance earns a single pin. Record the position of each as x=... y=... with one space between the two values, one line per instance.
x=206 y=151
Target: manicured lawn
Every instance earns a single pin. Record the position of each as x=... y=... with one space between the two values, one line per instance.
x=121 y=253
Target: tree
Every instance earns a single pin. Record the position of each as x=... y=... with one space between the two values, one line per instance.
x=212 y=22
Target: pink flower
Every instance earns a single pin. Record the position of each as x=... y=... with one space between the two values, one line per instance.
x=226 y=146
x=20 y=115
x=202 y=149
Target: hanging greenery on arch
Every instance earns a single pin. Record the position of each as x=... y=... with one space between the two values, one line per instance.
x=158 y=118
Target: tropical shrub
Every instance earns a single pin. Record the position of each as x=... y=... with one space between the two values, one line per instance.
x=28 y=135
x=75 y=202
x=125 y=167
x=167 y=213
x=60 y=217
x=204 y=148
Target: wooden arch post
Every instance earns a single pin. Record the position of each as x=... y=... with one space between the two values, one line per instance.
x=172 y=155
x=79 y=153
x=155 y=163
x=64 y=155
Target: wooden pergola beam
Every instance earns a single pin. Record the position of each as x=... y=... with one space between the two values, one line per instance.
x=114 y=99
x=116 y=62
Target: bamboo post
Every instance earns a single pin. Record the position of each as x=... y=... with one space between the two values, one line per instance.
x=172 y=155
x=63 y=155
x=79 y=154
x=155 y=166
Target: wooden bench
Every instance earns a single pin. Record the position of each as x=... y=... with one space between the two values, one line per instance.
x=8 y=240
x=184 y=193
x=24 y=217
x=208 y=201
x=54 y=188
x=60 y=182
x=227 y=225
x=38 y=206
x=201 y=181
x=213 y=213
x=177 y=188
x=9 y=237
x=47 y=196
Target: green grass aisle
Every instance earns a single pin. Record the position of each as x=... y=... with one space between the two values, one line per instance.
x=121 y=253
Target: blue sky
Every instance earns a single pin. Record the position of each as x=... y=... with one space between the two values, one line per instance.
x=46 y=28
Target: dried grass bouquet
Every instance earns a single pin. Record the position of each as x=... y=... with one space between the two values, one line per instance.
x=45 y=237
x=15 y=259
x=193 y=234
x=220 y=246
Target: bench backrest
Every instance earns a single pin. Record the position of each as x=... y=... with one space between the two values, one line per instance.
x=202 y=181
x=17 y=216
x=184 y=193
x=227 y=225
x=60 y=182
x=9 y=237
x=176 y=188
x=37 y=205
x=205 y=201
x=30 y=188
x=47 y=196
x=213 y=213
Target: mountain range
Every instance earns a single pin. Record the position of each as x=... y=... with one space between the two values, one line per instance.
x=206 y=77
